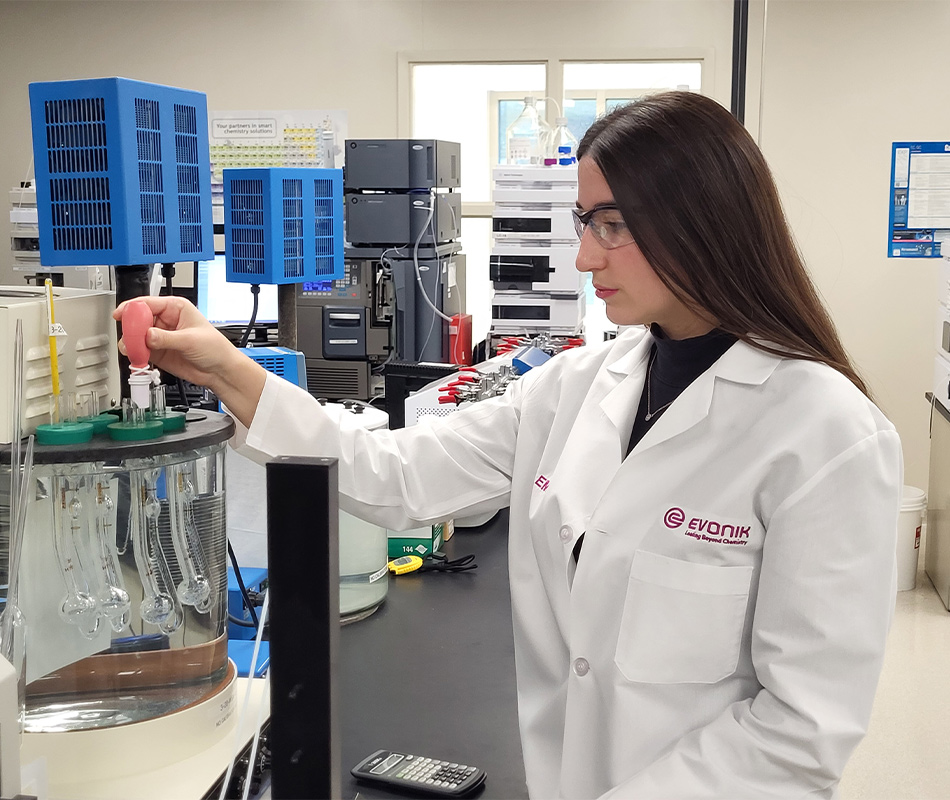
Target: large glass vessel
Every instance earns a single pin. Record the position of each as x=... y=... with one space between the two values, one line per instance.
x=122 y=583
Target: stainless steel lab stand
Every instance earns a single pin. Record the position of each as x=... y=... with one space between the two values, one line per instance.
x=937 y=559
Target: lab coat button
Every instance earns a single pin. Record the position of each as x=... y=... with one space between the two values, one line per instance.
x=566 y=533
x=581 y=667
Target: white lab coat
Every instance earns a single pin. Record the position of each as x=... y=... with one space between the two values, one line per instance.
x=723 y=632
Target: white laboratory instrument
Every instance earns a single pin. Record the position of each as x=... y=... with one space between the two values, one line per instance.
x=526 y=313
x=535 y=267
x=534 y=248
x=87 y=355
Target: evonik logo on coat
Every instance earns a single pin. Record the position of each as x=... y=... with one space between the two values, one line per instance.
x=706 y=530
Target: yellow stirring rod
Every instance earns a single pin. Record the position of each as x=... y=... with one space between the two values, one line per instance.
x=53 y=333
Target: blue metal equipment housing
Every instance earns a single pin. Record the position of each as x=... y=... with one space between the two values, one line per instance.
x=282 y=361
x=123 y=174
x=255 y=580
x=283 y=225
x=241 y=651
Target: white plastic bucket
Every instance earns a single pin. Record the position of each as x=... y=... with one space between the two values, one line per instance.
x=909 y=523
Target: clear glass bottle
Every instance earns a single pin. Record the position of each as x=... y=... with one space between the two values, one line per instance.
x=563 y=143
x=525 y=137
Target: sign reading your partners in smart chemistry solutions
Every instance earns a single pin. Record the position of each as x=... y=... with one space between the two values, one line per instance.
x=919 y=219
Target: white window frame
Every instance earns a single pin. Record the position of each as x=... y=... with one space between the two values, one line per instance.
x=554 y=83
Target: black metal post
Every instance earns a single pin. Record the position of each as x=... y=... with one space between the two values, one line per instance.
x=287 y=315
x=303 y=572
x=130 y=281
x=740 y=48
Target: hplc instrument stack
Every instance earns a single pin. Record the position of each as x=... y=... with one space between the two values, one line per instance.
x=534 y=246
x=404 y=211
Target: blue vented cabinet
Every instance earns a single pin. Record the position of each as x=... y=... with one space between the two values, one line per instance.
x=283 y=225
x=123 y=174
x=282 y=361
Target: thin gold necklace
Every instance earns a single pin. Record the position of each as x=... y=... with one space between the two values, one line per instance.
x=650 y=413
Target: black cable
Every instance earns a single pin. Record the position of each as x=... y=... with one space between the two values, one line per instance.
x=255 y=290
x=183 y=392
x=439 y=563
x=168 y=272
x=240 y=582
x=242 y=622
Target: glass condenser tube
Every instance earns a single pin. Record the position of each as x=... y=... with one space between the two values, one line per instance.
x=112 y=597
x=160 y=605
x=78 y=606
x=194 y=589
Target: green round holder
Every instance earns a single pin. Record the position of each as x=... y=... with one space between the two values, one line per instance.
x=132 y=432
x=64 y=433
x=100 y=423
x=171 y=420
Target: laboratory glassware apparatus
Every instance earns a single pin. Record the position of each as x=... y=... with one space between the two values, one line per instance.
x=526 y=138
x=125 y=537
x=125 y=551
x=123 y=584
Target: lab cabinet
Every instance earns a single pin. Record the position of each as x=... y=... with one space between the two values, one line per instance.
x=937 y=560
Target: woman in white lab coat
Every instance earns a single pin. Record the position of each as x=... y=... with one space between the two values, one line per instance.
x=703 y=512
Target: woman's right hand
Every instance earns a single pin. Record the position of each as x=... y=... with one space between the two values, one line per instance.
x=185 y=344
x=182 y=341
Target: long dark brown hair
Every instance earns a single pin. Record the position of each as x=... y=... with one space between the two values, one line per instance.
x=701 y=203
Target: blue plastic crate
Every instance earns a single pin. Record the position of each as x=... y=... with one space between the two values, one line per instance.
x=282 y=361
x=123 y=174
x=283 y=225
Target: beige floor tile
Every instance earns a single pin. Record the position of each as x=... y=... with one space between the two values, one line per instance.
x=906 y=754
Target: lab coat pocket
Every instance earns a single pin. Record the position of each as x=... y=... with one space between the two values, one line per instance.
x=682 y=621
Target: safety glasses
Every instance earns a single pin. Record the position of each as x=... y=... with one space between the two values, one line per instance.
x=606 y=224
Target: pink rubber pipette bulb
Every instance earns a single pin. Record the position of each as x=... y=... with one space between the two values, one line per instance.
x=136 y=320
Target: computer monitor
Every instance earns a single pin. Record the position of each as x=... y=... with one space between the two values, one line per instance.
x=225 y=303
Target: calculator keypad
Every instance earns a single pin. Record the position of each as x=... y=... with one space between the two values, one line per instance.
x=431 y=772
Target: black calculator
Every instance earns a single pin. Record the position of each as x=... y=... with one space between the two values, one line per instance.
x=419 y=773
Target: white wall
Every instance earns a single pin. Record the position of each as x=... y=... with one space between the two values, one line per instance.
x=840 y=84
x=289 y=54
x=843 y=79
x=248 y=54
x=327 y=54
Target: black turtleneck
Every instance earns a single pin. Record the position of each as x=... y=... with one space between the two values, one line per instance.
x=673 y=365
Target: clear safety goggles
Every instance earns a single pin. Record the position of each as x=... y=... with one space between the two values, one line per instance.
x=605 y=223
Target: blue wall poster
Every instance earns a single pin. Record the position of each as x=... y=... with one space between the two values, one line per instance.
x=919 y=217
